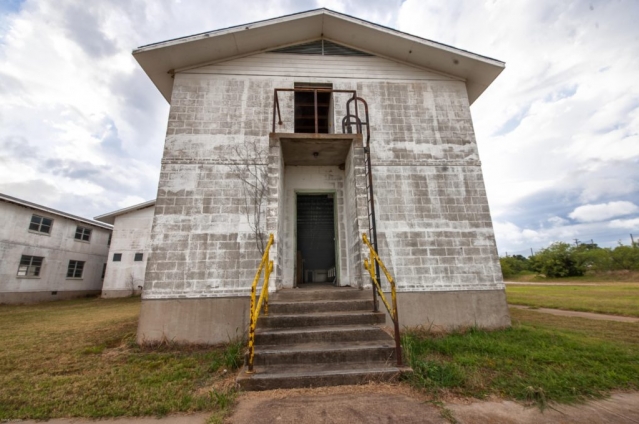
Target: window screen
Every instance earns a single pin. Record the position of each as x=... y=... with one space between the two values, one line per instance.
x=75 y=269
x=30 y=266
x=82 y=234
x=40 y=224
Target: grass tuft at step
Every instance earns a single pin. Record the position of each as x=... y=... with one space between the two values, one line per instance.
x=79 y=359
x=537 y=360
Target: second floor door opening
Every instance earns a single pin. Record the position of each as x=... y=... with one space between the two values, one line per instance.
x=305 y=109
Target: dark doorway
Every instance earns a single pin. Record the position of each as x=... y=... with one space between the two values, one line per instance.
x=315 y=238
x=305 y=109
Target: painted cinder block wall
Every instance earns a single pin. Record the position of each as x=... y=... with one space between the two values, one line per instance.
x=433 y=219
x=57 y=248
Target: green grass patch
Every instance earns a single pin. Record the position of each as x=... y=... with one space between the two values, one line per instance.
x=538 y=360
x=79 y=359
x=589 y=277
x=612 y=298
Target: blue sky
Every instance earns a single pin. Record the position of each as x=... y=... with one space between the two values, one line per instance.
x=82 y=127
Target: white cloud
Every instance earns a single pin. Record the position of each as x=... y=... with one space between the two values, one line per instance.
x=557 y=221
x=630 y=224
x=603 y=211
x=130 y=201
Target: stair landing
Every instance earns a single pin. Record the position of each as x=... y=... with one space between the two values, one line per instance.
x=320 y=335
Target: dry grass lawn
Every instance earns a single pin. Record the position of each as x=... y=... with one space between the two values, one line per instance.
x=609 y=298
x=79 y=358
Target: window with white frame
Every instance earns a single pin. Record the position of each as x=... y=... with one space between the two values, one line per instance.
x=40 y=224
x=30 y=266
x=75 y=269
x=82 y=233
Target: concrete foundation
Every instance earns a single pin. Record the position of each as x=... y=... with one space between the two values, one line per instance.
x=451 y=310
x=21 y=298
x=217 y=320
x=197 y=321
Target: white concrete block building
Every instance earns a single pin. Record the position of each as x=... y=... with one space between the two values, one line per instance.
x=129 y=250
x=48 y=255
x=309 y=100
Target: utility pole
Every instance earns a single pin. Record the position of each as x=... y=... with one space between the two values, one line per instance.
x=632 y=240
x=531 y=252
x=576 y=242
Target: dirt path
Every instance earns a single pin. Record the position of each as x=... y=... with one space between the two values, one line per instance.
x=550 y=283
x=383 y=406
x=621 y=408
x=385 y=403
x=589 y=315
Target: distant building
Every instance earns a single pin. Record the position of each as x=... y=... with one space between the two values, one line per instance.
x=47 y=255
x=129 y=250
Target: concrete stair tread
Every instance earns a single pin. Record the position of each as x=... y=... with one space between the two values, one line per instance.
x=319 y=329
x=325 y=347
x=320 y=314
x=322 y=369
x=297 y=302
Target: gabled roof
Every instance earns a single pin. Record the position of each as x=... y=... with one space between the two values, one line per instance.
x=36 y=207
x=109 y=218
x=161 y=60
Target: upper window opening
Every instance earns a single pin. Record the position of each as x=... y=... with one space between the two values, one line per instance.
x=40 y=224
x=305 y=109
x=117 y=257
x=30 y=266
x=138 y=257
x=75 y=269
x=82 y=234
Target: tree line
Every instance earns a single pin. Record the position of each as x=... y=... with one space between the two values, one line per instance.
x=566 y=260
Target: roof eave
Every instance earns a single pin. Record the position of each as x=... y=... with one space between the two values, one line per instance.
x=109 y=218
x=159 y=60
x=35 y=206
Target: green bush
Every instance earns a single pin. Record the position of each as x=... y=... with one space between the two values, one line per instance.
x=557 y=260
x=513 y=265
x=625 y=258
x=565 y=260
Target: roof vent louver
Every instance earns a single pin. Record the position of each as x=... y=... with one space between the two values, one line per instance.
x=322 y=48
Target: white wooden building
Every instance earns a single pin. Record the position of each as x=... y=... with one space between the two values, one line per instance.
x=129 y=250
x=46 y=254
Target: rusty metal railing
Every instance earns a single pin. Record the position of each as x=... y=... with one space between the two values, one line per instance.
x=278 y=114
x=368 y=264
x=267 y=265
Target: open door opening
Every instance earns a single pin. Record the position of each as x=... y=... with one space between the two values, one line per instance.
x=315 y=259
x=305 y=109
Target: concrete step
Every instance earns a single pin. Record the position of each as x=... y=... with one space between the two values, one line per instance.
x=329 y=293
x=272 y=336
x=305 y=306
x=326 y=352
x=317 y=375
x=320 y=319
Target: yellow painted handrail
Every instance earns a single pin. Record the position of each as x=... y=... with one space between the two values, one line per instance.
x=369 y=265
x=254 y=313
